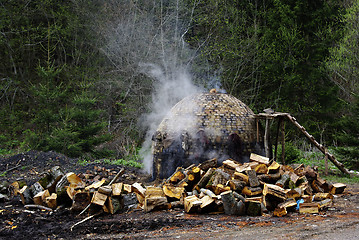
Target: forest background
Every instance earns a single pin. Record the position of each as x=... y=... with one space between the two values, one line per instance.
x=81 y=77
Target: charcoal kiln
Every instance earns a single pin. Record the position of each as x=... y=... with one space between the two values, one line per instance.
x=205 y=126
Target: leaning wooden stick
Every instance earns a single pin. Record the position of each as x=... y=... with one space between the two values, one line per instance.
x=84 y=220
x=117 y=176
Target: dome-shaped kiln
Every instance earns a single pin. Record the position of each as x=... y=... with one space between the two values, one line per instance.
x=201 y=127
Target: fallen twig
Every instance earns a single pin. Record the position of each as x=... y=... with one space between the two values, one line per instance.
x=84 y=220
x=38 y=207
x=84 y=209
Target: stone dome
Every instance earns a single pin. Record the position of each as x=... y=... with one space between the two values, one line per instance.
x=203 y=126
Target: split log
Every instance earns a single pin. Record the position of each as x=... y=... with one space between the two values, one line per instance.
x=177 y=176
x=36 y=188
x=242 y=177
x=172 y=191
x=80 y=201
x=219 y=177
x=301 y=180
x=326 y=203
x=51 y=178
x=255 y=199
x=25 y=195
x=61 y=191
x=152 y=191
x=127 y=188
x=308 y=208
x=99 y=199
x=279 y=212
x=137 y=188
x=107 y=190
x=244 y=167
x=270 y=189
x=316 y=186
x=117 y=189
x=299 y=170
x=295 y=193
x=283 y=181
x=129 y=201
x=252 y=178
x=251 y=191
x=71 y=191
x=39 y=198
x=261 y=169
x=254 y=208
x=74 y=180
x=288 y=204
x=206 y=202
x=269 y=178
x=338 y=188
x=211 y=163
x=209 y=193
x=310 y=173
x=114 y=204
x=96 y=185
x=219 y=188
x=231 y=164
x=273 y=168
x=322 y=196
x=205 y=179
x=192 y=204
x=294 y=178
x=258 y=158
x=51 y=201
x=231 y=206
x=236 y=185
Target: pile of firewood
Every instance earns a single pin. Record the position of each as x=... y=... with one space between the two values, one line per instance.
x=244 y=189
x=233 y=188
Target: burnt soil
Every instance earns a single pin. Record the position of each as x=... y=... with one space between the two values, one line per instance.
x=341 y=221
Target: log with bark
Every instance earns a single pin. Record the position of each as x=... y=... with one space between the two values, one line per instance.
x=231 y=206
x=252 y=178
x=211 y=163
x=152 y=203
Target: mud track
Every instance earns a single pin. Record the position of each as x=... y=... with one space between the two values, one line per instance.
x=339 y=222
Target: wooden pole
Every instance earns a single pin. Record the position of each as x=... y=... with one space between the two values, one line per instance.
x=339 y=165
x=266 y=139
x=326 y=162
x=277 y=138
x=283 y=141
x=257 y=122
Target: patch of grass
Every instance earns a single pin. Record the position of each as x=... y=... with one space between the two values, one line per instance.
x=3 y=174
x=122 y=162
x=333 y=178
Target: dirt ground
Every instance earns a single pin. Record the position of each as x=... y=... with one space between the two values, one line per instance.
x=341 y=221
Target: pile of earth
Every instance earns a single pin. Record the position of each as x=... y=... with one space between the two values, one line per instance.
x=28 y=166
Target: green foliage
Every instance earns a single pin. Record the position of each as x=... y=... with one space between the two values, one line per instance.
x=292 y=153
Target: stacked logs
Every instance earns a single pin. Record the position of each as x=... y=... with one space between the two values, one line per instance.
x=250 y=188
x=233 y=188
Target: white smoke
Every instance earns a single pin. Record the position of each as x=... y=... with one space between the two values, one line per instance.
x=169 y=87
x=147 y=37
